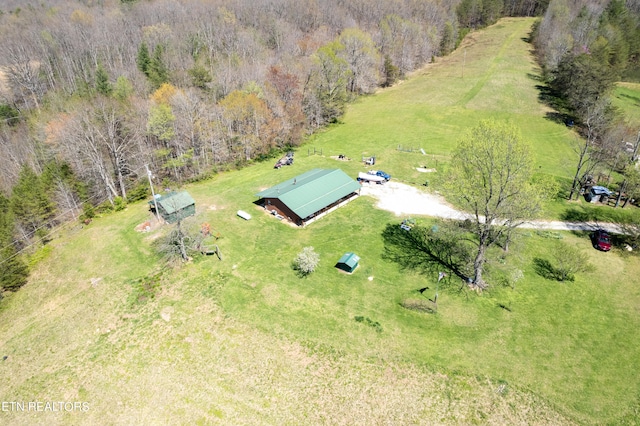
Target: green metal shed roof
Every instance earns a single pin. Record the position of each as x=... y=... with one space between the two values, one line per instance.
x=350 y=259
x=348 y=262
x=312 y=191
x=175 y=201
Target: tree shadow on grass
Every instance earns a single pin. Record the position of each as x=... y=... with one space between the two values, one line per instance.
x=426 y=250
x=560 y=118
x=544 y=268
x=574 y=214
x=550 y=98
x=598 y=213
x=634 y=99
x=420 y=305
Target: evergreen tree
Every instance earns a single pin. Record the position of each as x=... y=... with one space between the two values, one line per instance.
x=158 y=72
x=391 y=72
x=102 y=81
x=59 y=180
x=57 y=171
x=29 y=202
x=8 y=115
x=470 y=13
x=13 y=270
x=144 y=59
x=448 y=41
x=582 y=80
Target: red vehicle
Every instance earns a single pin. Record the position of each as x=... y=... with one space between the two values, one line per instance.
x=601 y=240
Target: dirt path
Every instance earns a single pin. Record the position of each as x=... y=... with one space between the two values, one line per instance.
x=406 y=200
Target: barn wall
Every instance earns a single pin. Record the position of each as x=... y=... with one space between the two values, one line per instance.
x=282 y=209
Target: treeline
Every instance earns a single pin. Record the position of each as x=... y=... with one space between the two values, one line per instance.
x=585 y=47
x=93 y=93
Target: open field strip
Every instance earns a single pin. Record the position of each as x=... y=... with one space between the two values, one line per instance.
x=246 y=341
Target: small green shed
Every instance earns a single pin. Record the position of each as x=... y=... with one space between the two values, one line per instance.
x=174 y=206
x=348 y=262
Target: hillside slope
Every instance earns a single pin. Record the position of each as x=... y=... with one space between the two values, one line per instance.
x=243 y=340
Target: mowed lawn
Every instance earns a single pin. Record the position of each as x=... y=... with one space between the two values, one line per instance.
x=243 y=340
x=491 y=75
x=627 y=99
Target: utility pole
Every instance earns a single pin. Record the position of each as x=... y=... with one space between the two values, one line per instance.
x=634 y=157
x=441 y=275
x=153 y=194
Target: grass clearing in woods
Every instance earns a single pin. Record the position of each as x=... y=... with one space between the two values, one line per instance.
x=246 y=341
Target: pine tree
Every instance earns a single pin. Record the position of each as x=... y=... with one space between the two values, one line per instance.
x=29 y=202
x=59 y=180
x=13 y=270
x=144 y=59
x=61 y=172
x=102 y=81
x=158 y=72
x=448 y=42
x=391 y=72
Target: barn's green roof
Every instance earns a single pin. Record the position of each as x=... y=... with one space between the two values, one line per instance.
x=312 y=191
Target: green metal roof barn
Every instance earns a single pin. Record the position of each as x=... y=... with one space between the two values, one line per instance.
x=305 y=197
x=174 y=206
x=348 y=262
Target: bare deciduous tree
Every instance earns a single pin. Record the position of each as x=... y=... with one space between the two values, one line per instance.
x=363 y=59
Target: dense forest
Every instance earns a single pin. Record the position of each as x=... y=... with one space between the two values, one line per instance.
x=584 y=48
x=93 y=92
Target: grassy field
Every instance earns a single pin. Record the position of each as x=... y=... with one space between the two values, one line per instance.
x=442 y=101
x=627 y=98
x=246 y=341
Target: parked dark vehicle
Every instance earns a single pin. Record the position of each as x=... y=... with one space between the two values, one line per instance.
x=601 y=240
x=287 y=160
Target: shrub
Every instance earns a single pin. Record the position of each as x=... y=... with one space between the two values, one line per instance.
x=14 y=271
x=88 y=212
x=9 y=114
x=119 y=204
x=139 y=192
x=306 y=261
x=567 y=261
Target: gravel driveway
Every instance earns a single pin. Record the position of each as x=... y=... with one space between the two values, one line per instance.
x=406 y=200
